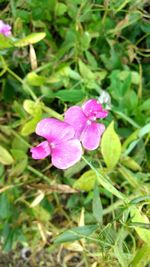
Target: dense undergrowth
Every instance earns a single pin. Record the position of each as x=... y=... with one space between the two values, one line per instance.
x=62 y=53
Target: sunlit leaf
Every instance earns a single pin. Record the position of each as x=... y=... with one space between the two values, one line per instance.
x=30 y=39
x=111 y=146
x=35 y=79
x=29 y=127
x=5 y=156
x=86 y=182
x=138 y=217
x=142 y=256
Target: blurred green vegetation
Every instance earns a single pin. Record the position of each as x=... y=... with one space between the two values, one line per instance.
x=62 y=53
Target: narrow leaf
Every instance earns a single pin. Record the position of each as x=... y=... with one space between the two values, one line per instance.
x=30 y=39
x=75 y=233
x=139 y=217
x=142 y=256
x=97 y=206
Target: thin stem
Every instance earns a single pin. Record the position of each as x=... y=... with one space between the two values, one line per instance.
x=45 y=66
x=15 y=75
x=39 y=174
x=105 y=181
x=21 y=139
x=23 y=83
x=52 y=113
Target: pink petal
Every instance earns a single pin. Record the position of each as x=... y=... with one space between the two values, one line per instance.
x=93 y=109
x=5 y=29
x=75 y=117
x=54 y=130
x=41 y=151
x=102 y=114
x=91 y=135
x=66 y=154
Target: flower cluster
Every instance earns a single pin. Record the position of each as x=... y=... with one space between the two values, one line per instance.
x=5 y=29
x=63 y=139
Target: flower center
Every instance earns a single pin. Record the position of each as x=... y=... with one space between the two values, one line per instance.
x=52 y=145
x=88 y=122
x=92 y=118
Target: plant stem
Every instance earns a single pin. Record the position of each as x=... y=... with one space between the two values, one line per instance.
x=23 y=83
x=39 y=174
x=104 y=180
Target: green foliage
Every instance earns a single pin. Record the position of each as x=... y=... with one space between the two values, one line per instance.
x=60 y=54
x=5 y=156
x=111 y=146
x=75 y=233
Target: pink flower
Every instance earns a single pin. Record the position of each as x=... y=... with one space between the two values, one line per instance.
x=60 y=143
x=5 y=29
x=88 y=131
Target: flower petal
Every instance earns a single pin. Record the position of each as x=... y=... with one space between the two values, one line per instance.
x=41 y=151
x=93 y=109
x=102 y=114
x=5 y=29
x=75 y=117
x=54 y=130
x=66 y=154
x=91 y=135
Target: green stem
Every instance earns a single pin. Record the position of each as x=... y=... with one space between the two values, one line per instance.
x=23 y=83
x=45 y=66
x=15 y=75
x=20 y=138
x=104 y=180
x=39 y=174
x=53 y=113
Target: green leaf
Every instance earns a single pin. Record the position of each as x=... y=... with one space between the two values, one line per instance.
x=64 y=73
x=111 y=146
x=70 y=172
x=145 y=105
x=35 y=80
x=5 y=207
x=19 y=167
x=107 y=184
x=118 y=248
x=140 y=199
x=138 y=217
x=30 y=39
x=33 y=108
x=130 y=163
x=85 y=40
x=5 y=156
x=86 y=182
x=85 y=71
x=75 y=233
x=142 y=256
x=97 y=206
x=144 y=130
x=91 y=59
x=126 y=84
x=5 y=42
x=8 y=244
x=135 y=77
x=60 y=9
x=40 y=212
x=1 y=169
x=129 y=176
x=70 y=95
x=30 y=126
